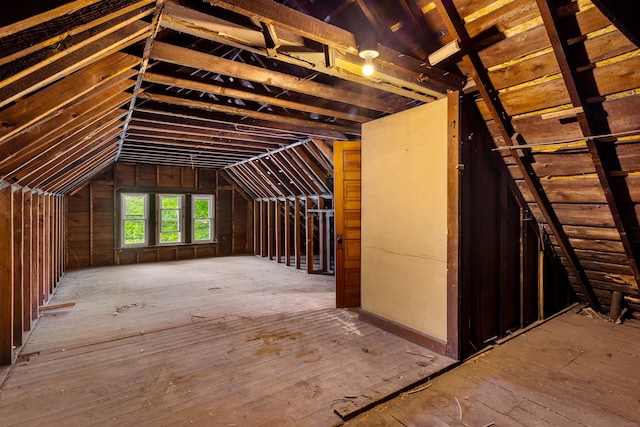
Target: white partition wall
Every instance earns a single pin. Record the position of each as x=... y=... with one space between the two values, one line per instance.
x=404 y=219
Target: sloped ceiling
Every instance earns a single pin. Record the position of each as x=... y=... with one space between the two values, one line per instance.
x=221 y=84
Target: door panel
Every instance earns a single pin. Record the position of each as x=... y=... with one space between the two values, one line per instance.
x=347 y=186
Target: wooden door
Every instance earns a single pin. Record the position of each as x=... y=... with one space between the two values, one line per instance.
x=346 y=159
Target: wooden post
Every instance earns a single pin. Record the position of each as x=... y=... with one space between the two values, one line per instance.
x=6 y=274
x=35 y=244
x=270 y=228
x=296 y=231
x=287 y=232
x=455 y=168
x=26 y=262
x=278 y=234
x=309 y=230
x=18 y=227
x=616 y=305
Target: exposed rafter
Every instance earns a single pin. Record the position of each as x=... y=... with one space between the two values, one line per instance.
x=491 y=97
x=587 y=115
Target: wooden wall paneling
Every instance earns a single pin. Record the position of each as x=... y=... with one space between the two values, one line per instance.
x=6 y=274
x=297 y=232
x=26 y=261
x=18 y=238
x=287 y=231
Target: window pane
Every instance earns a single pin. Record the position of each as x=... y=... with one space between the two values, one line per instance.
x=201 y=208
x=170 y=202
x=134 y=232
x=170 y=225
x=134 y=206
x=202 y=229
x=170 y=237
x=170 y=214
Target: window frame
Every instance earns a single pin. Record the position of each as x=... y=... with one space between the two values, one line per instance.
x=181 y=223
x=124 y=219
x=211 y=217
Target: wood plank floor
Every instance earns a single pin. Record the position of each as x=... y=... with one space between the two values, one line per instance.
x=571 y=371
x=216 y=342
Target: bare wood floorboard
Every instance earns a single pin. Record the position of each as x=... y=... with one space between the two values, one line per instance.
x=570 y=371
x=212 y=342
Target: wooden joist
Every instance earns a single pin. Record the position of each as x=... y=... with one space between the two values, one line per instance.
x=456 y=26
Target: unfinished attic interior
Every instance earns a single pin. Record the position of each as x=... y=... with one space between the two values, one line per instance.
x=288 y=211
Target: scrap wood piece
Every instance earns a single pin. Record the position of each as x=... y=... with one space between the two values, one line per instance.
x=55 y=306
x=418 y=390
x=417 y=353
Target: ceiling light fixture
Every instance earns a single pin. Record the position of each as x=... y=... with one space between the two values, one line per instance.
x=368 y=56
x=367 y=49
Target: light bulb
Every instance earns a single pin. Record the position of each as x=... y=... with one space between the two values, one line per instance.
x=368 y=55
x=367 y=68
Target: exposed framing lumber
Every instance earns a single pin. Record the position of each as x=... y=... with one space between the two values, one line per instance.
x=590 y=126
x=457 y=28
x=6 y=274
x=271 y=13
x=204 y=61
x=241 y=112
x=250 y=96
x=143 y=68
x=73 y=59
x=28 y=111
x=44 y=17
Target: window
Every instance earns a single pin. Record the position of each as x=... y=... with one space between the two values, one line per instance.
x=202 y=218
x=170 y=218
x=134 y=219
x=178 y=219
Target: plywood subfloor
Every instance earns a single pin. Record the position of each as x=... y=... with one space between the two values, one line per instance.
x=571 y=371
x=216 y=342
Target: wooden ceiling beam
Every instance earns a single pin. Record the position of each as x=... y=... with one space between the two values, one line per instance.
x=73 y=154
x=83 y=172
x=203 y=143
x=198 y=126
x=278 y=174
x=241 y=112
x=250 y=175
x=51 y=99
x=203 y=61
x=268 y=179
x=591 y=118
x=297 y=133
x=218 y=150
x=74 y=58
x=239 y=181
x=142 y=128
x=74 y=120
x=37 y=44
x=41 y=18
x=51 y=158
x=456 y=27
x=251 y=96
x=239 y=177
x=272 y=13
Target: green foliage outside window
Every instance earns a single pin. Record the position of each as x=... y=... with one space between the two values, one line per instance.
x=202 y=219
x=170 y=219
x=135 y=219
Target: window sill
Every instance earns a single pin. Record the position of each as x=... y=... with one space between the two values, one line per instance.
x=172 y=245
